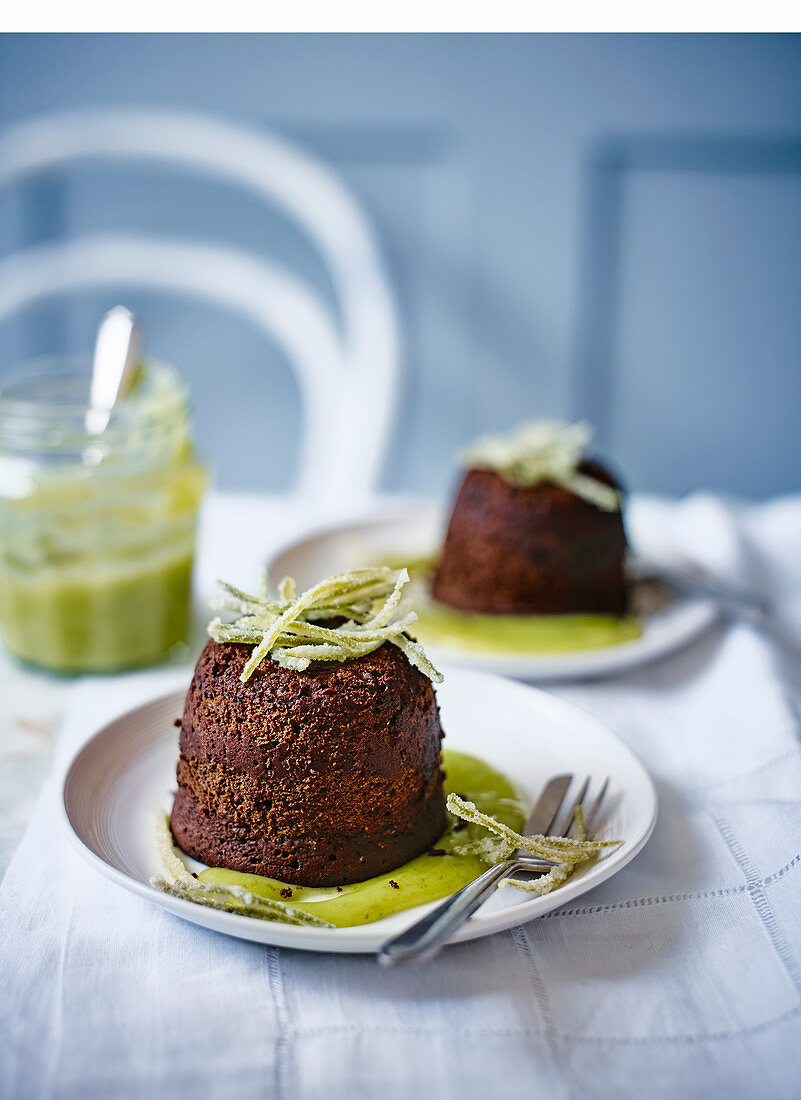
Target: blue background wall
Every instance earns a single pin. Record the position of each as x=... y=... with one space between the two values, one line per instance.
x=546 y=259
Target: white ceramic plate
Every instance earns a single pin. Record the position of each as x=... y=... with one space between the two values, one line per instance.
x=115 y=779
x=415 y=531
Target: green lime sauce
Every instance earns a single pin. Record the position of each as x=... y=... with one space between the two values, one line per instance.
x=521 y=634
x=426 y=878
x=440 y=625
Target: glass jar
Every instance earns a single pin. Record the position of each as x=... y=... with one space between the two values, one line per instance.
x=97 y=531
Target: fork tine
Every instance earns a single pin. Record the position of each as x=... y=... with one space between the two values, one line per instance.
x=578 y=802
x=592 y=812
x=574 y=802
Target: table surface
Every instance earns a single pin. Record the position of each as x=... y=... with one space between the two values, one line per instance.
x=682 y=974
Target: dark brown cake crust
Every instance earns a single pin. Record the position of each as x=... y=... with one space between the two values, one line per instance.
x=538 y=550
x=320 y=778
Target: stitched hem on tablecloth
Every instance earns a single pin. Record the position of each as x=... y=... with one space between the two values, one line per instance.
x=563 y=1036
x=635 y=903
x=284 y=1027
x=762 y=906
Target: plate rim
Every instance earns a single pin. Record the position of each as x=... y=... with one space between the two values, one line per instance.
x=590 y=664
x=351 y=940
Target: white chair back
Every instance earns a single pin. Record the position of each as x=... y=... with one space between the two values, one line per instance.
x=347 y=370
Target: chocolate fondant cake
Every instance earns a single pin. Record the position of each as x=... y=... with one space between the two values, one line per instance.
x=532 y=549
x=319 y=777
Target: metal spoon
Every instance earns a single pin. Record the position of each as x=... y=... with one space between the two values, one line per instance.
x=117 y=351
x=692 y=580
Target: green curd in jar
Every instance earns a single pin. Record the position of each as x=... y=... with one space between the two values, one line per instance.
x=97 y=534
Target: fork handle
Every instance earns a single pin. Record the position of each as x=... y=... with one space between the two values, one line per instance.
x=429 y=934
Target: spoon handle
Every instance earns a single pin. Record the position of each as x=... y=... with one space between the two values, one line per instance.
x=117 y=348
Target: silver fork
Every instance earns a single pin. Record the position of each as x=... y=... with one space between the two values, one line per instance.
x=428 y=936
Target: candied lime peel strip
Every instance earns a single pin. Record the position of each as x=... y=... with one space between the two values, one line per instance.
x=171 y=863
x=286 y=630
x=543 y=450
x=569 y=852
x=177 y=881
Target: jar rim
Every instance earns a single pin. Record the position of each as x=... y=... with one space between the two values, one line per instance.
x=18 y=395
x=44 y=404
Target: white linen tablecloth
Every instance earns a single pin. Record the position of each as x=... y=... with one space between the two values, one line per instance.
x=679 y=976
